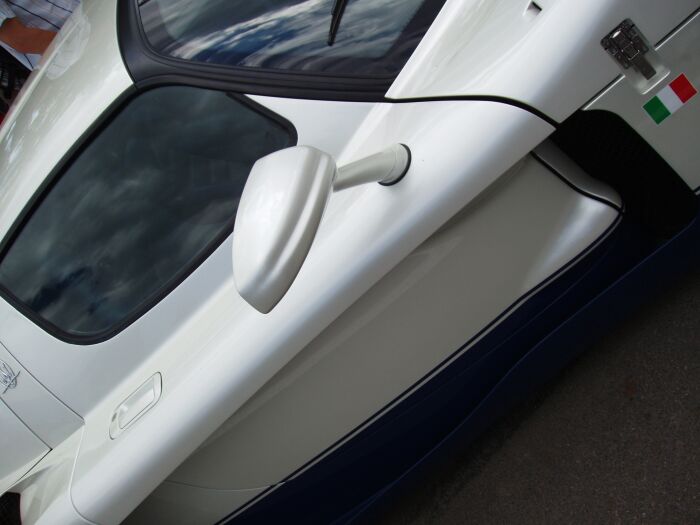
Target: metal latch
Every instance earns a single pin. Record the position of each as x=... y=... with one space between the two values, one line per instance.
x=627 y=45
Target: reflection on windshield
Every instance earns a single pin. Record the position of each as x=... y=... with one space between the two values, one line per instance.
x=375 y=35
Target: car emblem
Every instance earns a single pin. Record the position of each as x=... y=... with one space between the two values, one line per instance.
x=8 y=378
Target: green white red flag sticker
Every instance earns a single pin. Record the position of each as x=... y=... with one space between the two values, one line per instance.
x=670 y=99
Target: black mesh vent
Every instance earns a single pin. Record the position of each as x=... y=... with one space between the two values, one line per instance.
x=9 y=509
x=12 y=76
x=607 y=148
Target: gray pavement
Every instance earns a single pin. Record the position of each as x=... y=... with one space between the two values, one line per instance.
x=615 y=439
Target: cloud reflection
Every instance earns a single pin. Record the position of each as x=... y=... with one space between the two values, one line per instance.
x=285 y=35
x=137 y=207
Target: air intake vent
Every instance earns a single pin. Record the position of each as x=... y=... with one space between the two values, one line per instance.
x=9 y=509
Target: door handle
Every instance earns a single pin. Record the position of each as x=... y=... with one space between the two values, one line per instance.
x=136 y=405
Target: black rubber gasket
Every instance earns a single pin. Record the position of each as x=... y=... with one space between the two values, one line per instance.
x=479 y=98
x=403 y=174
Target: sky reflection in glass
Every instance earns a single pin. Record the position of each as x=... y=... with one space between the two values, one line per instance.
x=137 y=207
x=375 y=36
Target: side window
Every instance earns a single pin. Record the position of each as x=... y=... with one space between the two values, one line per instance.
x=155 y=192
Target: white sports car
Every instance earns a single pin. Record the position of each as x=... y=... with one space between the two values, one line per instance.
x=261 y=259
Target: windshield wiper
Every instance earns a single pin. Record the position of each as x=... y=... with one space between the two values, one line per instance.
x=336 y=17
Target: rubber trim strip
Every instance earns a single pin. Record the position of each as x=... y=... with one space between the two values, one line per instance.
x=571 y=185
x=479 y=98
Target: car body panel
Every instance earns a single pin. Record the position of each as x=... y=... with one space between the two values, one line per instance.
x=528 y=225
x=21 y=448
x=45 y=414
x=174 y=502
x=379 y=252
x=676 y=137
x=250 y=348
x=409 y=322
x=46 y=489
x=495 y=49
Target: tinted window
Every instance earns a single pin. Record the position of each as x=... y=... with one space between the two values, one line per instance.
x=148 y=197
x=375 y=37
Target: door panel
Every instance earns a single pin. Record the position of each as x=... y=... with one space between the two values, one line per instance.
x=214 y=351
x=484 y=262
x=20 y=448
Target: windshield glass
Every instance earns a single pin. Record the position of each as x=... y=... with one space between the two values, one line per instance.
x=374 y=37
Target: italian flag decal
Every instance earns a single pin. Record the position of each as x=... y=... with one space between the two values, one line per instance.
x=670 y=99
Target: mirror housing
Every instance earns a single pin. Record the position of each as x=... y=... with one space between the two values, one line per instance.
x=281 y=209
x=278 y=215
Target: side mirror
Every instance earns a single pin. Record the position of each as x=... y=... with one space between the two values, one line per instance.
x=281 y=208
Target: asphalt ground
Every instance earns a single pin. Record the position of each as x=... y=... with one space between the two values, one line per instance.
x=614 y=439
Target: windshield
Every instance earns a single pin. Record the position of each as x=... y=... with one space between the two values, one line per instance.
x=374 y=37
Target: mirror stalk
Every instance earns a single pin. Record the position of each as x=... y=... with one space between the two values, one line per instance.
x=281 y=209
x=386 y=167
